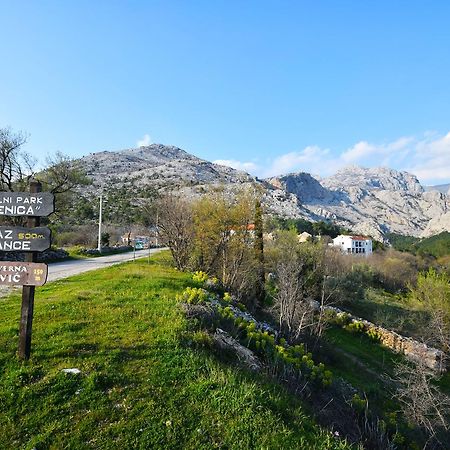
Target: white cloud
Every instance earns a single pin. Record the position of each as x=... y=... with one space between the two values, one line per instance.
x=375 y=154
x=431 y=159
x=145 y=141
x=426 y=156
x=310 y=159
x=239 y=165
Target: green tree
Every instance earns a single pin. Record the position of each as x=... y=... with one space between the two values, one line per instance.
x=225 y=242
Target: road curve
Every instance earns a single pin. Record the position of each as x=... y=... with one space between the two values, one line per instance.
x=64 y=269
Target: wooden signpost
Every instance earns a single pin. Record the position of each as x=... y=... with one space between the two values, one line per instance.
x=23 y=273
x=31 y=239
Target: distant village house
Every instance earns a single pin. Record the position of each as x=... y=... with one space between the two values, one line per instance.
x=304 y=237
x=351 y=245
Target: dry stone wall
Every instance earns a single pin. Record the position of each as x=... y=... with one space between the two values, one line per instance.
x=412 y=349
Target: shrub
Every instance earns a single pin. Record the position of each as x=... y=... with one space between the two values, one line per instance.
x=358 y=403
x=193 y=295
x=199 y=277
x=374 y=334
x=355 y=327
x=343 y=319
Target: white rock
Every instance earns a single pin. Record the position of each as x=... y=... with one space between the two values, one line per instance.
x=74 y=370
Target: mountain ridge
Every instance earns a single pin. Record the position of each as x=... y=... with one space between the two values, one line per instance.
x=371 y=201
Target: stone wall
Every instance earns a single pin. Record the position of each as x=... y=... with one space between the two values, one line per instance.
x=412 y=349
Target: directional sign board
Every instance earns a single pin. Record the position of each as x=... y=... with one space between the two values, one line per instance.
x=38 y=204
x=22 y=239
x=23 y=273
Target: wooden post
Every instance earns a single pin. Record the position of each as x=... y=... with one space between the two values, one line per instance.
x=26 y=319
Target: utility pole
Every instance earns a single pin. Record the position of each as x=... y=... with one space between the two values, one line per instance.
x=157 y=229
x=100 y=225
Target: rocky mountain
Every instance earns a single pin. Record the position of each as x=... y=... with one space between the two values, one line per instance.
x=369 y=201
x=157 y=165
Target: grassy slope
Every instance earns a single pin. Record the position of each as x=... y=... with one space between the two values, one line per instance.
x=391 y=311
x=140 y=387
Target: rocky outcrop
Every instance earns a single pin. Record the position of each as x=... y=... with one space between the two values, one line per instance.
x=380 y=178
x=226 y=342
x=158 y=166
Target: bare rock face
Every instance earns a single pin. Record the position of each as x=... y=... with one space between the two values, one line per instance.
x=304 y=186
x=380 y=178
x=437 y=225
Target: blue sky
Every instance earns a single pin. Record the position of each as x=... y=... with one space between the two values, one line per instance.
x=271 y=87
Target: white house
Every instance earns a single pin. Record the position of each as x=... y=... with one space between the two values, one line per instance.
x=353 y=244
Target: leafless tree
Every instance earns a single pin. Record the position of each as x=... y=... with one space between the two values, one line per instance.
x=16 y=165
x=330 y=273
x=308 y=278
x=293 y=266
x=295 y=312
x=421 y=401
x=175 y=226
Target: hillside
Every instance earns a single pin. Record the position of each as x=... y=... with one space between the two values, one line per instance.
x=369 y=201
x=146 y=380
x=437 y=245
x=159 y=166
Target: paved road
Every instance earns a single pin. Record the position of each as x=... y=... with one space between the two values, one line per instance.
x=65 y=269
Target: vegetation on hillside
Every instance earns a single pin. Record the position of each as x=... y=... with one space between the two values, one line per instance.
x=437 y=246
x=304 y=278
x=320 y=228
x=147 y=378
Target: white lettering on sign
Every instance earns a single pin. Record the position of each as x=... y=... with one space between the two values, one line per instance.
x=19 y=199
x=27 y=204
x=11 y=246
x=16 y=268
x=10 y=278
x=23 y=274
x=19 y=210
x=7 y=234
x=24 y=239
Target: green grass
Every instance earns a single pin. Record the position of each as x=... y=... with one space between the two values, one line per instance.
x=373 y=356
x=394 y=312
x=369 y=366
x=364 y=363
x=140 y=386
